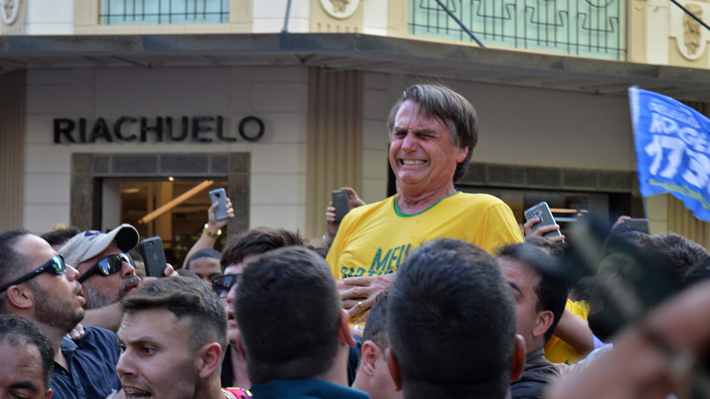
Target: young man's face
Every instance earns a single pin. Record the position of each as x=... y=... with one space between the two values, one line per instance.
x=523 y=281
x=21 y=374
x=156 y=358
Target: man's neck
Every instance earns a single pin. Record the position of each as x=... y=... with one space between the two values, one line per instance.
x=210 y=389
x=338 y=373
x=413 y=201
x=240 y=378
x=55 y=336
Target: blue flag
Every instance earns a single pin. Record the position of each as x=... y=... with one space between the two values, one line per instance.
x=672 y=150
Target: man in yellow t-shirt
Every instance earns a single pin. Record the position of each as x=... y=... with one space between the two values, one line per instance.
x=433 y=131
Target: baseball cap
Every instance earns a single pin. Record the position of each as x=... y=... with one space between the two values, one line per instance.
x=88 y=244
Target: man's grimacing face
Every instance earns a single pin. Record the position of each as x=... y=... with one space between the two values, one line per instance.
x=422 y=154
x=156 y=360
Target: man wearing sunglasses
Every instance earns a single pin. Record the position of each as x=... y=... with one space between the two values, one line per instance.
x=37 y=284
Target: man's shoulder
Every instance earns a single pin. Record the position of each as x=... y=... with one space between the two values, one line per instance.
x=96 y=338
x=527 y=389
x=478 y=200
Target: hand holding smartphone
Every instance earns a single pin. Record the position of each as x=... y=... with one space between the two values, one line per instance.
x=340 y=202
x=542 y=211
x=220 y=196
x=153 y=256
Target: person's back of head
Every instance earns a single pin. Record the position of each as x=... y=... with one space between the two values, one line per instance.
x=257 y=241
x=27 y=357
x=451 y=324
x=12 y=263
x=289 y=315
x=682 y=252
x=57 y=238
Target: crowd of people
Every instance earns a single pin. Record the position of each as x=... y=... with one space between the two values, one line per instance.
x=429 y=293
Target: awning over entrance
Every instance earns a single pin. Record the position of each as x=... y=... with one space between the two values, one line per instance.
x=348 y=51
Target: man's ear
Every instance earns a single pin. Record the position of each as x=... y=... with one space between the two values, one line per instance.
x=21 y=296
x=208 y=359
x=518 y=365
x=49 y=393
x=344 y=329
x=543 y=323
x=461 y=154
x=240 y=346
x=394 y=369
x=368 y=358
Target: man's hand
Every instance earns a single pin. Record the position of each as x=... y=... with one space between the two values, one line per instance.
x=616 y=228
x=364 y=290
x=212 y=223
x=331 y=226
x=526 y=229
x=169 y=271
x=77 y=332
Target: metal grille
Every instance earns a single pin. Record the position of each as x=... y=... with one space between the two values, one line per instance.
x=588 y=28
x=134 y=12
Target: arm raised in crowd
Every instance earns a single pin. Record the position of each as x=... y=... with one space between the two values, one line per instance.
x=213 y=225
x=331 y=226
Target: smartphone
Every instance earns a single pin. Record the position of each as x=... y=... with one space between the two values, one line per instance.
x=636 y=225
x=220 y=196
x=340 y=202
x=542 y=211
x=153 y=256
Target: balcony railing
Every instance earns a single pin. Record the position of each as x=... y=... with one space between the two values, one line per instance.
x=588 y=28
x=133 y=12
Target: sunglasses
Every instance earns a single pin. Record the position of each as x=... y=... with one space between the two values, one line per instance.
x=107 y=266
x=55 y=266
x=222 y=284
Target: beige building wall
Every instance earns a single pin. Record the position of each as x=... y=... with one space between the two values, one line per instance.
x=277 y=95
x=12 y=142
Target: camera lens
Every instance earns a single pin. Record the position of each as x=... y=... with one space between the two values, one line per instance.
x=217 y=195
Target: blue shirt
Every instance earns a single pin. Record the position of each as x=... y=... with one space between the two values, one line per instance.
x=305 y=388
x=92 y=363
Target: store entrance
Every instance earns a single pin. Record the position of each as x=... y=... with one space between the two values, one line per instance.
x=173 y=208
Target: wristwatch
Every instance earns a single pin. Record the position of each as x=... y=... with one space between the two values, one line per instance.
x=211 y=233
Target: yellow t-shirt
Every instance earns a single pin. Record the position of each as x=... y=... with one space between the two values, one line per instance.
x=374 y=239
x=559 y=351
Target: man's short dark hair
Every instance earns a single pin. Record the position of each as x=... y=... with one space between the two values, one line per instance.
x=60 y=236
x=681 y=251
x=12 y=263
x=288 y=310
x=451 y=322
x=376 y=326
x=257 y=241
x=203 y=253
x=547 y=245
x=184 y=297
x=551 y=292
x=18 y=331
x=450 y=108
